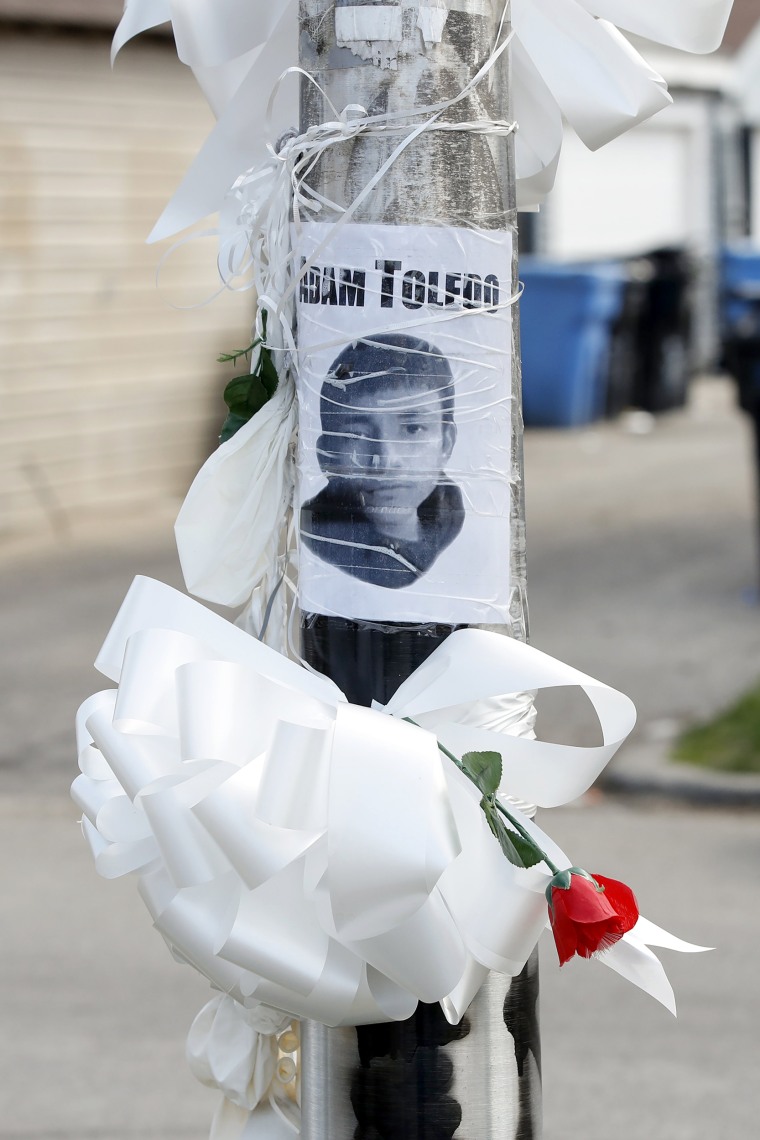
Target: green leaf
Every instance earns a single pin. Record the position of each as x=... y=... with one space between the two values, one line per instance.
x=507 y=846
x=267 y=372
x=528 y=852
x=234 y=356
x=231 y=425
x=484 y=769
x=245 y=395
x=519 y=851
x=492 y=818
x=236 y=395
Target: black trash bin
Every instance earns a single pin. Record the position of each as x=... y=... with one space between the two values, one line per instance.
x=741 y=358
x=650 y=358
x=663 y=365
x=625 y=337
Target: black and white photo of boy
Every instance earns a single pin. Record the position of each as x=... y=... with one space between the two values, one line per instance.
x=387 y=432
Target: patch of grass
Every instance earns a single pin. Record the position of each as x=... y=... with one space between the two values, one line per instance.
x=729 y=743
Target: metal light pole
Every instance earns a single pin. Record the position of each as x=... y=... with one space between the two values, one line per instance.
x=422 y=1078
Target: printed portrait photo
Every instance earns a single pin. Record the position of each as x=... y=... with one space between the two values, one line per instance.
x=403 y=490
x=387 y=431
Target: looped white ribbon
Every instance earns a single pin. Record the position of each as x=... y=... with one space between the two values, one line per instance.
x=313 y=855
x=235 y=1050
x=568 y=59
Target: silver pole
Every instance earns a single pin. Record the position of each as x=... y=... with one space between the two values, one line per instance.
x=423 y=1078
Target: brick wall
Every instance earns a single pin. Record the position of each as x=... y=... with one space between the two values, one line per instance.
x=109 y=396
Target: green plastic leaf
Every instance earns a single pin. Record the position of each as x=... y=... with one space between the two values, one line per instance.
x=236 y=395
x=507 y=846
x=492 y=818
x=234 y=356
x=245 y=395
x=267 y=372
x=528 y=852
x=231 y=425
x=519 y=851
x=484 y=769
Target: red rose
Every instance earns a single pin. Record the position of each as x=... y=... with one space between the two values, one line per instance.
x=588 y=914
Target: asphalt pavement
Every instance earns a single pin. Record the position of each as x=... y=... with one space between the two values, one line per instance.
x=643 y=572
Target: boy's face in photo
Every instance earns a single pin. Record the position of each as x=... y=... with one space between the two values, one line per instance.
x=389 y=440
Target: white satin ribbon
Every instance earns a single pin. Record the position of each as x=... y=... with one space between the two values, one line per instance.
x=569 y=60
x=235 y=1050
x=313 y=855
x=228 y=530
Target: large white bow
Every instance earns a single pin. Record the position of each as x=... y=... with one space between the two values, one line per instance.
x=568 y=59
x=313 y=855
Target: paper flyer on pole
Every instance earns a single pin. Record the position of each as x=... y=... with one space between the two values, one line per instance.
x=404 y=386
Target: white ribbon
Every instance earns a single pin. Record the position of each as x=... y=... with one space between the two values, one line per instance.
x=313 y=855
x=235 y=1050
x=569 y=59
x=229 y=526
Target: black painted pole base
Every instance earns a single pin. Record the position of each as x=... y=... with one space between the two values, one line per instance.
x=368 y=661
x=424 y=1079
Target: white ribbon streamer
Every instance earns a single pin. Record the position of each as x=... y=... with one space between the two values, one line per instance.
x=229 y=527
x=313 y=855
x=568 y=60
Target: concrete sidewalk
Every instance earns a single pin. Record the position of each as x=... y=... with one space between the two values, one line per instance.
x=643 y=571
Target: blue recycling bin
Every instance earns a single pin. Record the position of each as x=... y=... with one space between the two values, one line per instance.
x=739 y=287
x=740 y=322
x=567 y=313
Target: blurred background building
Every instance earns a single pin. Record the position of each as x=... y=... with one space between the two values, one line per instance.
x=686 y=181
x=111 y=396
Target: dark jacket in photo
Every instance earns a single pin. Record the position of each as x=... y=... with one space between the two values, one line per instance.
x=341 y=533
